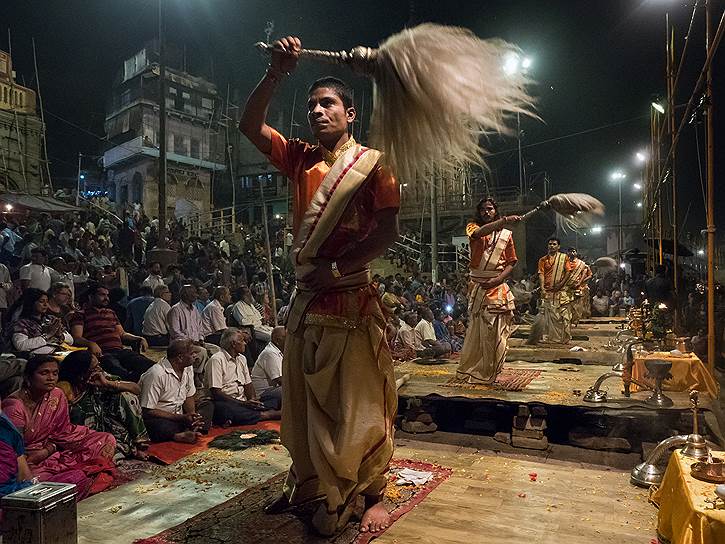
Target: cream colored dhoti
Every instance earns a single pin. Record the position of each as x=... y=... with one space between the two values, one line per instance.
x=486 y=342
x=556 y=318
x=339 y=404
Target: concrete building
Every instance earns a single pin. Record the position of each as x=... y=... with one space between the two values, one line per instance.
x=21 y=135
x=195 y=142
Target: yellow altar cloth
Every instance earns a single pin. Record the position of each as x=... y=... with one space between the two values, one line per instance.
x=684 y=517
x=688 y=373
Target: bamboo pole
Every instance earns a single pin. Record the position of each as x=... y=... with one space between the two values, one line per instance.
x=273 y=295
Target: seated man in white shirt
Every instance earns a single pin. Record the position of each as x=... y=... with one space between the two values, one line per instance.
x=246 y=315
x=154 y=328
x=154 y=278
x=184 y=322
x=406 y=332
x=267 y=371
x=35 y=274
x=426 y=344
x=167 y=396
x=228 y=380
x=213 y=321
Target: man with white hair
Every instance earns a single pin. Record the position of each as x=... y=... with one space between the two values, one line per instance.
x=228 y=380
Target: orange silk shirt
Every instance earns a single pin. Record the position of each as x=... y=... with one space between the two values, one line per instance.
x=303 y=163
x=478 y=245
x=546 y=267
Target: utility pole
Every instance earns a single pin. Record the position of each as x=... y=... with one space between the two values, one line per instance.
x=673 y=169
x=162 y=127
x=710 y=197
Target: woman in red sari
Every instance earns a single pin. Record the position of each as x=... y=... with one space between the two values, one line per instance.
x=57 y=450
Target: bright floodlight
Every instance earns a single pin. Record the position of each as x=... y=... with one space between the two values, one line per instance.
x=618 y=175
x=9 y=207
x=700 y=252
x=639 y=204
x=641 y=156
x=622 y=266
x=637 y=186
x=596 y=230
x=658 y=107
x=527 y=63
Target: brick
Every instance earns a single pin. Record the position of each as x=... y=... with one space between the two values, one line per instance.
x=527 y=433
x=530 y=443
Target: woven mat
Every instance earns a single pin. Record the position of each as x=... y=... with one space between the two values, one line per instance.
x=510 y=379
x=242 y=519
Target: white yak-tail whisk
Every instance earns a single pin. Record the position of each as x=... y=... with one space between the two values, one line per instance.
x=438 y=90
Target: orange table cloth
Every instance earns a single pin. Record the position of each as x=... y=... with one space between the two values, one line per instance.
x=684 y=517
x=688 y=373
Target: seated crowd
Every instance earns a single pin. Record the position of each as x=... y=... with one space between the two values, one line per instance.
x=80 y=392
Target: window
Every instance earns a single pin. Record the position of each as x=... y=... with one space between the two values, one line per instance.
x=195 y=150
x=125 y=97
x=207 y=103
x=179 y=145
x=172 y=90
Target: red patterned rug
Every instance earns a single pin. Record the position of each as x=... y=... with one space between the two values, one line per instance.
x=242 y=519
x=510 y=379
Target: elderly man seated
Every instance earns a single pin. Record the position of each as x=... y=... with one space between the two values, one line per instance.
x=228 y=380
x=167 y=396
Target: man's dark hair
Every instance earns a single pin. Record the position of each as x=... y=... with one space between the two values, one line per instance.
x=555 y=239
x=339 y=86
x=477 y=217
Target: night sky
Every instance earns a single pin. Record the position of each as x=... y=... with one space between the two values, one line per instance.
x=596 y=63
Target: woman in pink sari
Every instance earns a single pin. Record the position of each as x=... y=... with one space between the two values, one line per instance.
x=57 y=450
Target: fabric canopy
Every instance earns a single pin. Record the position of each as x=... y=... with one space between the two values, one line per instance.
x=37 y=203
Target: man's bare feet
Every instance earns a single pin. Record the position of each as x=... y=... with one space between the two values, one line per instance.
x=187 y=437
x=375 y=518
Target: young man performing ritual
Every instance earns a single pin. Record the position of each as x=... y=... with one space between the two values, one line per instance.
x=554 y=322
x=578 y=285
x=339 y=393
x=490 y=301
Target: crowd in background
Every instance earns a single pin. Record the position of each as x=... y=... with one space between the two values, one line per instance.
x=89 y=281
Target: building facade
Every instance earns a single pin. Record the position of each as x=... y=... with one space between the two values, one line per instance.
x=21 y=135
x=195 y=143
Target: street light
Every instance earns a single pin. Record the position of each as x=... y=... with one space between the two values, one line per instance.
x=639 y=204
x=658 y=107
x=641 y=157
x=637 y=186
x=618 y=177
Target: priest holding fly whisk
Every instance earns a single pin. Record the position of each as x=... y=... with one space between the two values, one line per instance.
x=437 y=90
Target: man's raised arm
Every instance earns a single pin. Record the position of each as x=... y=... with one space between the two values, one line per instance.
x=253 y=123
